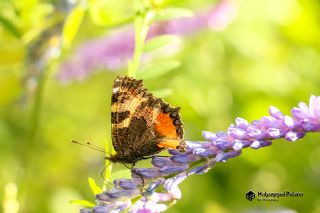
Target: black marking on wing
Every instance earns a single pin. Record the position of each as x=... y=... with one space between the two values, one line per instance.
x=118 y=117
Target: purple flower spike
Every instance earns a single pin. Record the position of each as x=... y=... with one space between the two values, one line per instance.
x=161 y=182
x=113 y=51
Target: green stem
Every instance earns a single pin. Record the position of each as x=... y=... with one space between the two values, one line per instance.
x=141 y=23
x=36 y=108
x=108 y=164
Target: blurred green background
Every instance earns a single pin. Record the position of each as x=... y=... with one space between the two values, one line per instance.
x=269 y=54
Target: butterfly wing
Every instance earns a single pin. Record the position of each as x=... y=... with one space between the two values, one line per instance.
x=142 y=124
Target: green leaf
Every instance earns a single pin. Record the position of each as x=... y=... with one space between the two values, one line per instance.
x=172 y=13
x=158 y=69
x=10 y=27
x=84 y=203
x=160 y=41
x=123 y=173
x=161 y=93
x=94 y=187
x=72 y=24
x=101 y=14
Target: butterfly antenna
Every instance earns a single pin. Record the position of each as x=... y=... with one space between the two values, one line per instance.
x=91 y=146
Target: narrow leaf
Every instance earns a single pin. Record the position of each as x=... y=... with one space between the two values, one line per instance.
x=160 y=41
x=72 y=24
x=84 y=203
x=10 y=27
x=172 y=13
x=156 y=70
x=94 y=187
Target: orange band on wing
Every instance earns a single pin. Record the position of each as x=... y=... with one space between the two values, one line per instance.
x=169 y=143
x=165 y=127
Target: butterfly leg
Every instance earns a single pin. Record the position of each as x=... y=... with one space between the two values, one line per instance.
x=141 y=177
x=148 y=157
x=138 y=175
x=103 y=173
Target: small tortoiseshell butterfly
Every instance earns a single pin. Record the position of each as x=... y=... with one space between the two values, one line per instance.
x=142 y=124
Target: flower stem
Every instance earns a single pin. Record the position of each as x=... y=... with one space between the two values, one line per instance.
x=141 y=24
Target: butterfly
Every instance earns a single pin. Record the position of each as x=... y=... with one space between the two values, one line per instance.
x=141 y=124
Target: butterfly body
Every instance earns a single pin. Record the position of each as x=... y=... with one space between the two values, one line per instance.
x=142 y=124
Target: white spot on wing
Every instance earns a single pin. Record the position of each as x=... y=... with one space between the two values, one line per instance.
x=115 y=90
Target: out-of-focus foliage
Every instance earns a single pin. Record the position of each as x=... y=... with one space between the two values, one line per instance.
x=269 y=54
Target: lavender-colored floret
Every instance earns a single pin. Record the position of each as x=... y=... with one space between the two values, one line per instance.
x=274 y=133
x=236 y=132
x=204 y=152
x=255 y=133
x=210 y=136
x=155 y=185
x=289 y=122
x=276 y=113
x=125 y=183
x=185 y=158
x=161 y=161
x=174 y=169
x=200 y=169
x=293 y=136
x=255 y=144
x=194 y=145
x=237 y=145
x=147 y=173
x=242 y=123
x=224 y=156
